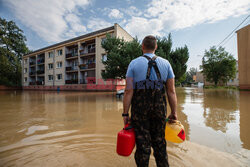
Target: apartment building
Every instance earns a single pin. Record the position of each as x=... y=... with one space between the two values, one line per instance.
x=243 y=42
x=71 y=64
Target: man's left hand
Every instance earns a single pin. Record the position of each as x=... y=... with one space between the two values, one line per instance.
x=126 y=120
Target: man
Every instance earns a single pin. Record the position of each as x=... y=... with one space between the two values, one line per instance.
x=148 y=79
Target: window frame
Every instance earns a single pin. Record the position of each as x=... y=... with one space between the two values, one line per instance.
x=60 y=62
x=59 y=51
x=49 y=79
x=50 y=68
x=57 y=77
x=51 y=55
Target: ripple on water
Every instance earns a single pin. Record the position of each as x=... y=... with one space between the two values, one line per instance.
x=71 y=148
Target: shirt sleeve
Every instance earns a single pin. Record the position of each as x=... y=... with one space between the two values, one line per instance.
x=130 y=72
x=170 y=72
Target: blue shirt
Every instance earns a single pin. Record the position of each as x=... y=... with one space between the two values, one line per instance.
x=137 y=69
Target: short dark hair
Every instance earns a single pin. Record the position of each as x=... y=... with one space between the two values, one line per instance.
x=149 y=42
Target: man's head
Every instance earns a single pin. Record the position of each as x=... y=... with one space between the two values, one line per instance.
x=149 y=44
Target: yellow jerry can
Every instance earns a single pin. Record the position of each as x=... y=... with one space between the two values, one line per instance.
x=174 y=132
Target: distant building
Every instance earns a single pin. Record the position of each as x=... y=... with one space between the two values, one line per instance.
x=198 y=77
x=71 y=64
x=243 y=42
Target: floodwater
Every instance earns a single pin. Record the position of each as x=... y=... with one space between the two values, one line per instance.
x=80 y=129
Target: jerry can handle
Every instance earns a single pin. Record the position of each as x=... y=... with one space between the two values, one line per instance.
x=176 y=121
x=127 y=127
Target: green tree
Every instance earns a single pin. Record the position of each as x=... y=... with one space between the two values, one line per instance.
x=120 y=53
x=218 y=65
x=178 y=58
x=12 y=48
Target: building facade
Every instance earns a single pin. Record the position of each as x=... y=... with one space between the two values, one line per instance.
x=71 y=64
x=243 y=42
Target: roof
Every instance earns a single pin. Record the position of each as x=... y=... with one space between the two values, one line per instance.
x=74 y=39
x=248 y=26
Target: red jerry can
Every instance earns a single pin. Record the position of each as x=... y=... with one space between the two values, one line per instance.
x=125 y=141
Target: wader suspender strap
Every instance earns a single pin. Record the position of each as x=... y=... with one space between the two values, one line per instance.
x=152 y=63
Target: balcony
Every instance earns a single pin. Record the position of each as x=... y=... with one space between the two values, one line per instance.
x=91 y=65
x=40 y=71
x=87 y=66
x=32 y=63
x=39 y=82
x=92 y=50
x=83 y=81
x=40 y=61
x=32 y=73
x=73 y=69
x=71 y=55
x=68 y=68
x=88 y=52
x=83 y=66
x=71 y=81
x=32 y=83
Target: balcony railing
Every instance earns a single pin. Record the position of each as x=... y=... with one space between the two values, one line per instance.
x=40 y=71
x=68 y=68
x=83 y=52
x=91 y=65
x=68 y=55
x=71 y=81
x=74 y=68
x=87 y=66
x=83 y=81
x=32 y=63
x=40 y=61
x=32 y=83
x=92 y=50
x=39 y=82
x=32 y=73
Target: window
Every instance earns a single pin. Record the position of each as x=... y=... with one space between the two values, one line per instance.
x=74 y=76
x=25 y=70
x=59 y=76
x=25 y=61
x=50 y=77
x=51 y=54
x=59 y=52
x=59 y=64
x=25 y=79
x=50 y=66
x=75 y=63
x=104 y=57
x=91 y=46
x=103 y=40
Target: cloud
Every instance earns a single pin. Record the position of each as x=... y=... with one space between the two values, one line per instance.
x=97 y=23
x=168 y=15
x=133 y=11
x=182 y=14
x=53 y=21
x=115 y=13
x=140 y=27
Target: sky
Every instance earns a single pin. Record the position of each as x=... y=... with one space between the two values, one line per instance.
x=199 y=24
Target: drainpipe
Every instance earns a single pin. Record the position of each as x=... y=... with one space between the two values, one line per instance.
x=54 y=77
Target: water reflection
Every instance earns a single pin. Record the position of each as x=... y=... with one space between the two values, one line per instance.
x=181 y=97
x=219 y=108
x=245 y=119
